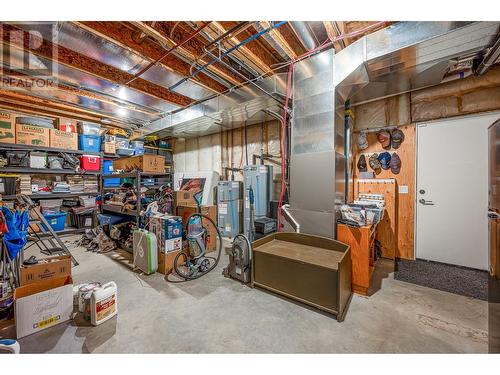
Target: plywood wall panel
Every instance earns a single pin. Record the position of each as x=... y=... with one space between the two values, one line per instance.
x=405 y=181
x=387 y=229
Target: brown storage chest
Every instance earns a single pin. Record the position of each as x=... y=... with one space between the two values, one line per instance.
x=309 y=269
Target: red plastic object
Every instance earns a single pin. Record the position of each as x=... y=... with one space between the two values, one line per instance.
x=90 y=162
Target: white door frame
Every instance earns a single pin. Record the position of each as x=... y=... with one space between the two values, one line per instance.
x=430 y=122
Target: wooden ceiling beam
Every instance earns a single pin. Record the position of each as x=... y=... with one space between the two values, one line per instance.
x=21 y=102
x=333 y=30
x=258 y=51
x=122 y=35
x=291 y=39
x=280 y=40
x=91 y=66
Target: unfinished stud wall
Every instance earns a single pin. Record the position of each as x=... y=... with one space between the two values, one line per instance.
x=227 y=149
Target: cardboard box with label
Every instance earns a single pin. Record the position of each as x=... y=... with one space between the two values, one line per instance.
x=46 y=269
x=109 y=144
x=39 y=306
x=7 y=127
x=169 y=238
x=183 y=198
x=145 y=163
x=32 y=135
x=66 y=125
x=110 y=148
x=211 y=212
x=64 y=140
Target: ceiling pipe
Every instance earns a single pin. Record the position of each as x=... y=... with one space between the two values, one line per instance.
x=168 y=52
x=234 y=30
x=222 y=55
x=301 y=29
x=489 y=59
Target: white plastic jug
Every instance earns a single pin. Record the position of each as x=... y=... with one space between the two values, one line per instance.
x=103 y=303
x=10 y=346
x=84 y=289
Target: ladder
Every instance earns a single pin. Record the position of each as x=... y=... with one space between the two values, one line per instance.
x=55 y=244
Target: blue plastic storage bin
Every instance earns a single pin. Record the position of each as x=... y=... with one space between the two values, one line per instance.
x=56 y=221
x=88 y=142
x=105 y=219
x=107 y=166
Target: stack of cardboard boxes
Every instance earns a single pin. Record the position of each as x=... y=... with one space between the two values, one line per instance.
x=45 y=297
x=170 y=240
x=63 y=136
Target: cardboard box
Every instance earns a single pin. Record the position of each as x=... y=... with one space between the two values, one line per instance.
x=110 y=148
x=66 y=125
x=168 y=261
x=183 y=198
x=7 y=127
x=145 y=163
x=160 y=225
x=62 y=139
x=32 y=135
x=47 y=269
x=42 y=305
x=211 y=212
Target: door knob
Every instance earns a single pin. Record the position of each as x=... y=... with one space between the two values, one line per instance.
x=493 y=215
x=426 y=203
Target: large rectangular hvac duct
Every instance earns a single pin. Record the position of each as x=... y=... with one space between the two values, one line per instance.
x=317 y=164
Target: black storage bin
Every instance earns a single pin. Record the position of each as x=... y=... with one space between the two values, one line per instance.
x=84 y=220
x=8 y=185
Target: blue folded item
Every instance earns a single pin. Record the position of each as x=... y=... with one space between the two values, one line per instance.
x=17 y=223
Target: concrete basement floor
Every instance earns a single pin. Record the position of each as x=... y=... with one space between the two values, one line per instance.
x=218 y=315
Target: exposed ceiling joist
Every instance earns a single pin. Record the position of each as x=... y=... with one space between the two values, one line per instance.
x=291 y=39
x=88 y=65
x=15 y=81
x=257 y=51
x=280 y=40
x=20 y=102
x=334 y=30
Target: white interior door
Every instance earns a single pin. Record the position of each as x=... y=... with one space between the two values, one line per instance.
x=452 y=191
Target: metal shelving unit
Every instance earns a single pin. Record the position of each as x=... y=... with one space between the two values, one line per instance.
x=52 y=195
x=137 y=175
x=48 y=171
x=18 y=147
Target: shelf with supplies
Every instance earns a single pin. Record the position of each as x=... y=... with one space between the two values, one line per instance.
x=36 y=196
x=47 y=171
x=135 y=174
x=19 y=147
x=138 y=177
